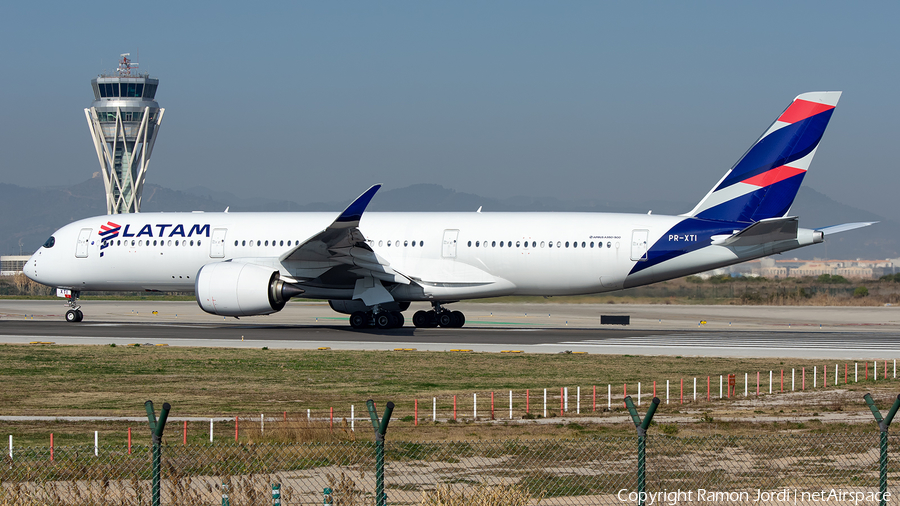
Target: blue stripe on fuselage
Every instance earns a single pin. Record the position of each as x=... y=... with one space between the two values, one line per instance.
x=700 y=230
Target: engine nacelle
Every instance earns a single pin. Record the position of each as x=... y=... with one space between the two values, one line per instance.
x=238 y=289
x=352 y=306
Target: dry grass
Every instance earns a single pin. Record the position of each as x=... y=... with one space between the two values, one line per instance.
x=484 y=495
x=209 y=382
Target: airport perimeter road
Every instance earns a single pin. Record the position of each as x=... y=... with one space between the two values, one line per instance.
x=757 y=331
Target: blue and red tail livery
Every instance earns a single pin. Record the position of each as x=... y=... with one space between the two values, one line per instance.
x=764 y=182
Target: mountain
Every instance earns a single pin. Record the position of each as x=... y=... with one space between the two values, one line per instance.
x=32 y=214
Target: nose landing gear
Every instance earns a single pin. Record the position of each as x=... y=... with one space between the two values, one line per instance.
x=74 y=314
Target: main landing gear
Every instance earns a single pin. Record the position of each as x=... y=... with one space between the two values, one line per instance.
x=380 y=319
x=74 y=314
x=439 y=317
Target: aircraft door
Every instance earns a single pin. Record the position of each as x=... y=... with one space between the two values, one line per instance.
x=448 y=247
x=217 y=245
x=84 y=239
x=639 y=245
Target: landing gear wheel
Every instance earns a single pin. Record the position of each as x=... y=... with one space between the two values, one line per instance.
x=72 y=316
x=358 y=320
x=422 y=319
x=384 y=320
x=445 y=319
x=398 y=316
x=458 y=319
x=80 y=315
x=432 y=319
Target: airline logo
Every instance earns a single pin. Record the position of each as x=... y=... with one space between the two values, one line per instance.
x=764 y=182
x=109 y=231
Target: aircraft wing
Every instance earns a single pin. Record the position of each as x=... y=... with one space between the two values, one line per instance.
x=342 y=245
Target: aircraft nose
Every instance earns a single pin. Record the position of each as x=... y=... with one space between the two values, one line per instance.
x=30 y=269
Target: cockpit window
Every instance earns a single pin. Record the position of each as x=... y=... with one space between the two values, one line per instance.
x=50 y=242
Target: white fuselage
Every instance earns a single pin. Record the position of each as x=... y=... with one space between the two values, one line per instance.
x=448 y=256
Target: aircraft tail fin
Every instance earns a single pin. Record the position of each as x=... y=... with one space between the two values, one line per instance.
x=764 y=182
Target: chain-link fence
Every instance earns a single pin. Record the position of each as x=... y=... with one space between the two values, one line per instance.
x=712 y=470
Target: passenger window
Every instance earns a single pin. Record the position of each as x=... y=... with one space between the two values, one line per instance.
x=406 y=244
x=501 y=244
x=380 y=243
x=608 y=244
x=477 y=244
x=509 y=244
x=170 y=242
x=267 y=243
x=176 y=243
x=281 y=243
x=582 y=244
x=542 y=244
x=389 y=244
x=470 y=244
x=421 y=243
x=592 y=244
x=493 y=244
x=558 y=244
x=518 y=244
x=414 y=244
x=533 y=244
x=567 y=244
x=192 y=243
x=258 y=243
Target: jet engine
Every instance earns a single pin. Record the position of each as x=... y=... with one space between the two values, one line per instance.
x=238 y=289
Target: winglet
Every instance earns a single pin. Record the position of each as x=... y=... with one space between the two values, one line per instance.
x=356 y=208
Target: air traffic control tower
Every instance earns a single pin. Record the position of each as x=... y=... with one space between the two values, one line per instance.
x=124 y=121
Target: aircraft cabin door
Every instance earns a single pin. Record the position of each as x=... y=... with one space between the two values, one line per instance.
x=448 y=246
x=639 y=245
x=217 y=245
x=84 y=239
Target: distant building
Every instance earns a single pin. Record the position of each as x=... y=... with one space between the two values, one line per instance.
x=769 y=267
x=12 y=265
x=124 y=120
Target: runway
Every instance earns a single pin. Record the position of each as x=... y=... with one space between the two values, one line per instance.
x=726 y=331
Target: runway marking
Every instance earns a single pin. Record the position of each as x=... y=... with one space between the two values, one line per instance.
x=750 y=340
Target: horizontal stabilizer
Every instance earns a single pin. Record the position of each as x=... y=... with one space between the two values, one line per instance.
x=761 y=232
x=834 y=229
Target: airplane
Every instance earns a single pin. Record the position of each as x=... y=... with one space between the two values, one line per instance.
x=372 y=265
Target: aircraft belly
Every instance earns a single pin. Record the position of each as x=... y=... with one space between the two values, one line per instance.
x=710 y=257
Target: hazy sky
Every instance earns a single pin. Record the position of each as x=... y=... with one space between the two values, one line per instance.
x=316 y=101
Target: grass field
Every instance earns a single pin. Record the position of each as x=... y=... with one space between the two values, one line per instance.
x=216 y=382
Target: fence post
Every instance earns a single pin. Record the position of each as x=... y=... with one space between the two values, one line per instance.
x=380 y=431
x=156 y=429
x=883 y=426
x=276 y=494
x=641 y=427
